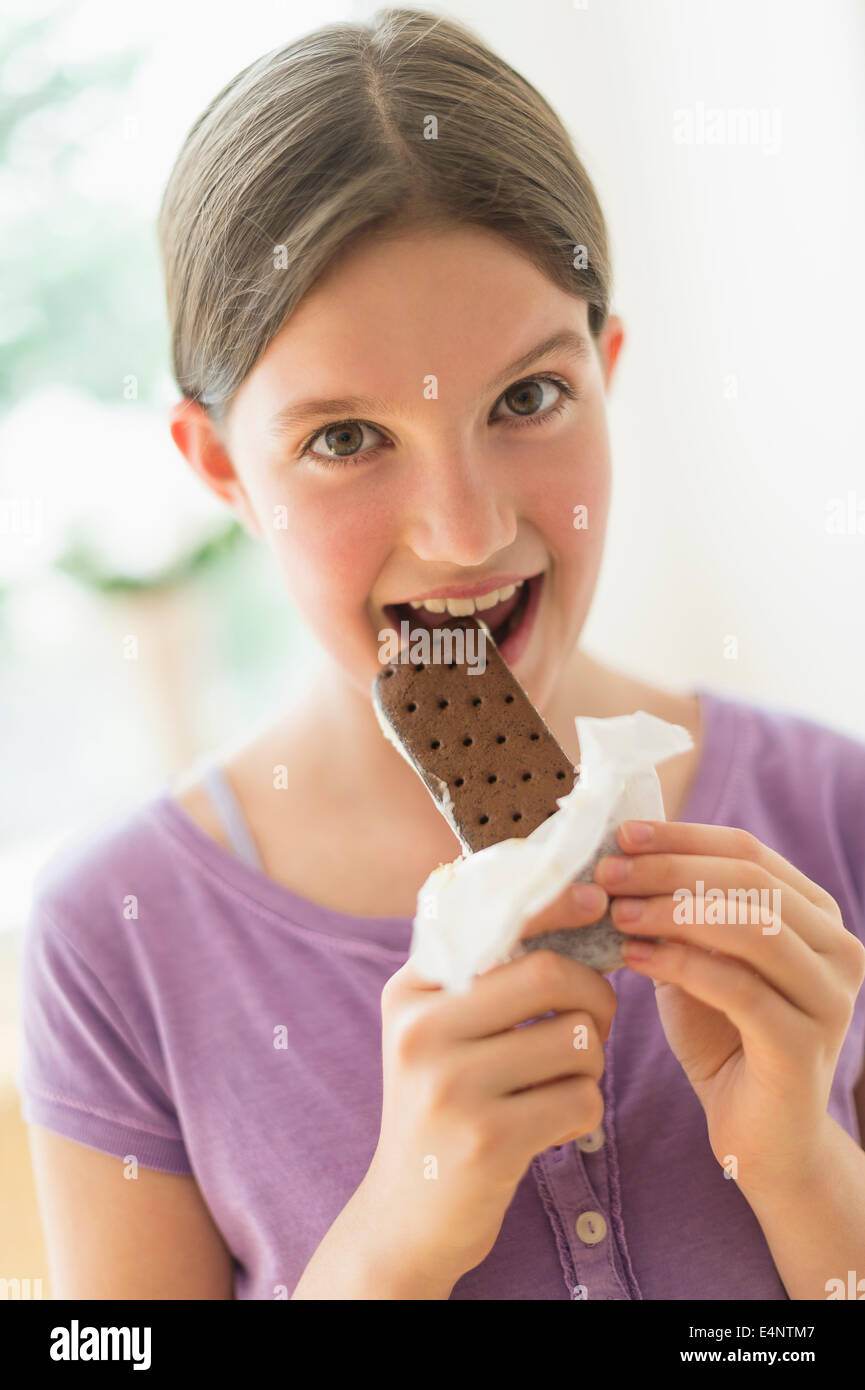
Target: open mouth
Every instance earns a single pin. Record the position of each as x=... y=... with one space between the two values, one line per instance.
x=509 y=620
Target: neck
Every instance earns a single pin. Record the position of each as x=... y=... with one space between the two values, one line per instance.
x=338 y=748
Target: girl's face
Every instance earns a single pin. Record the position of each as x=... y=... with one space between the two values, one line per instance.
x=445 y=451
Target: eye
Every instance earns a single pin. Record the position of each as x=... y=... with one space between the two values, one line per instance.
x=343 y=440
x=526 y=398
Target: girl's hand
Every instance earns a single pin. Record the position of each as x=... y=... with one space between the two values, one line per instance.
x=469 y=1096
x=754 y=1009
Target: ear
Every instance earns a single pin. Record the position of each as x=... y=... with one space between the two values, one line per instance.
x=201 y=444
x=610 y=341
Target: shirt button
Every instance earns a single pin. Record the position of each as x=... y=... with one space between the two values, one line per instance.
x=590 y=1142
x=591 y=1227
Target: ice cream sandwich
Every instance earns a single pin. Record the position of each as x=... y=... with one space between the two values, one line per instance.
x=485 y=754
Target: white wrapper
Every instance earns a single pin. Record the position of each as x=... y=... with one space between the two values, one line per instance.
x=470 y=913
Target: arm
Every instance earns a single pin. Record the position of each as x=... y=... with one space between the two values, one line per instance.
x=859 y=1102
x=345 y=1267
x=111 y=1237
x=815 y=1225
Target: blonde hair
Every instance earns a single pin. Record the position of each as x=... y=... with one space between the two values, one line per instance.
x=328 y=139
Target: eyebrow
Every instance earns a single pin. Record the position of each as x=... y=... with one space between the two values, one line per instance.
x=574 y=344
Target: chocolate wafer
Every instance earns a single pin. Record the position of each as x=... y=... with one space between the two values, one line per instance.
x=477 y=738
x=486 y=756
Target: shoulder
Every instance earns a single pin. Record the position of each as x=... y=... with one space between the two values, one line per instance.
x=789 y=750
x=101 y=849
x=797 y=784
x=109 y=875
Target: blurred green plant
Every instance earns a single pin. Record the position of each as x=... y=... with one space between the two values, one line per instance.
x=84 y=305
x=80 y=563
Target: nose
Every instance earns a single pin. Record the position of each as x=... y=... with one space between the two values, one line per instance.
x=458 y=516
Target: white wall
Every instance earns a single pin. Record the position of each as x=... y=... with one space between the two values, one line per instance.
x=738 y=411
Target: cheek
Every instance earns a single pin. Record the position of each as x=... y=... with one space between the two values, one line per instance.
x=569 y=497
x=325 y=544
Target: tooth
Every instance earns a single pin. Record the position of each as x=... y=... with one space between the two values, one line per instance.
x=460 y=607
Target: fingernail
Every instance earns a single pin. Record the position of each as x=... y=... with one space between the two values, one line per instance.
x=614 y=869
x=589 y=896
x=638 y=950
x=627 y=909
x=639 y=832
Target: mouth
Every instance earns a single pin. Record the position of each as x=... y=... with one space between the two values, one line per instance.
x=510 y=618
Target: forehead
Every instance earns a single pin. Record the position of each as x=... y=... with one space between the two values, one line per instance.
x=453 y=275
x=453 y=304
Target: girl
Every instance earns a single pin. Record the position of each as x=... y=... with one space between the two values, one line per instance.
x=388 y=284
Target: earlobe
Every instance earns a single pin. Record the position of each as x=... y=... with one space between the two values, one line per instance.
x=197 y=439
x=202 y=446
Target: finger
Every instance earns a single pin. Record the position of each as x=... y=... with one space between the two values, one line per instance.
x=553 y=1113
x=406 y=982
x=750 y=891
x=808 y=981
x=523 y=989
x=577 y=905
x=762 y=1017
x=726 y=842
x=564 y=1045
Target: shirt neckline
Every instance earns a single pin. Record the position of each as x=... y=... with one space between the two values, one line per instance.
x=705 y=796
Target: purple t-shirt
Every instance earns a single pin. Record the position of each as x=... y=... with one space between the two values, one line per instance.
x=182 y=1007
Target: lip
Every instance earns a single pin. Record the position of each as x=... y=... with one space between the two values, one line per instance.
x=515 y=644
x=483 y=586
